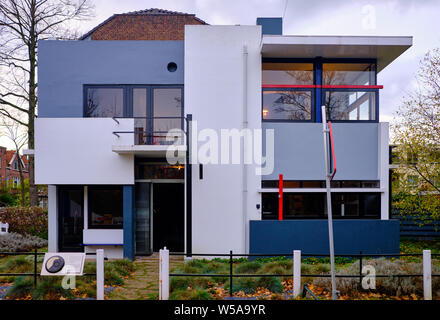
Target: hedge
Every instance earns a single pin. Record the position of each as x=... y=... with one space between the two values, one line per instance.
x=25 y=220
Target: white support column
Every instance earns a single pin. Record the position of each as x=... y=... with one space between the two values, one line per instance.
x=296 y=272
x=427 y=275
x=99 y=274
x=164 y=274
x=52 y=207
x=383 y=168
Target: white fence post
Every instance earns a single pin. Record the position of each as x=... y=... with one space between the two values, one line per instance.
x=164 y=274
x=296 y=272
x=427 y=275
x=4 y=226
x=99 y=274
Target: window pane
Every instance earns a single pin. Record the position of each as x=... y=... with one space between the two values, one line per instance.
x=159 y=171
x=167 y=103
x=105 y=102
x=140 y=110
x=287 y=105
x=105 y=206
x=350 y=105
x=270 y=206
x=288 y=73
x=348 y=74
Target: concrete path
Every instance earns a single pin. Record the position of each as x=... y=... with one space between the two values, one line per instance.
x=144 y=285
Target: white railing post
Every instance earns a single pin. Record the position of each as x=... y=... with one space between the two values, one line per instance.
x=427 y=275
x=164 y=274
x=296 y=272
x=99 y=274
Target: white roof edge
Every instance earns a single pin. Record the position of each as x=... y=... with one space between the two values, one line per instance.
x=338 y=40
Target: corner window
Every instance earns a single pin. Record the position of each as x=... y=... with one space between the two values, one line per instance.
x=287 y=105
x=350 y=105
x=279 y=73
x=104 y=102
x=363 y=74
x=105 y=207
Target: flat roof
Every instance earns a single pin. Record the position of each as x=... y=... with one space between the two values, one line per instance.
x=383 y=48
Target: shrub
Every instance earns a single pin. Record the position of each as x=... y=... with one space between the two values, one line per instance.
x=21 y=288
x=397 y=286
x=273 y=284
x=247 y=284
x=248 y=267
x=6 y=200
x=50 y=288
x=25 y=220
x=14 y=242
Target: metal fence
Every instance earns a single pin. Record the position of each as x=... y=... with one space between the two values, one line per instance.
x=35 y=274
x=164 y=268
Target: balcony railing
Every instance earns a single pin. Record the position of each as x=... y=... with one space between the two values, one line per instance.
x=156 y=130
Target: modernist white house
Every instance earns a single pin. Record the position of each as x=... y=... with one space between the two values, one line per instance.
x=106 y=105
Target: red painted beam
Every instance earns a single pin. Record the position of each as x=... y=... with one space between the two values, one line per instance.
x=280 y=198
x=312 y=86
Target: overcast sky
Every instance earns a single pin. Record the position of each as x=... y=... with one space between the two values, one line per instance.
x=319 y=17
x=418 y=19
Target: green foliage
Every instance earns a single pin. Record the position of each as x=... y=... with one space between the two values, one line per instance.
x=25 y=220
x=21 y=288
x=50 y=288
x=14 y=242
x=248 y=285
x=397 y=286
x=248 y=267
x=7 y=200
x=193 y=294
x=273 y=284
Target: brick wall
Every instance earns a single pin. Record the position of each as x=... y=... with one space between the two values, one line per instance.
x=145 y=27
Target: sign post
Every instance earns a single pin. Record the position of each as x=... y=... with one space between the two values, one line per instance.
x=329 y=174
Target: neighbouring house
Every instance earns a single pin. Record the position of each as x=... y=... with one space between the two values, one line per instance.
x=9 y=167
x=119 y=180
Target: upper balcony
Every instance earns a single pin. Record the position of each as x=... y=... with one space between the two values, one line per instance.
x=151 y=136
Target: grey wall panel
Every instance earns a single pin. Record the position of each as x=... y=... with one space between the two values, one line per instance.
x=299 y=151
x=65 y=66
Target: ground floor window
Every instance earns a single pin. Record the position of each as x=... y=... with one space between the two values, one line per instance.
x=313 y=205
x=105 y=205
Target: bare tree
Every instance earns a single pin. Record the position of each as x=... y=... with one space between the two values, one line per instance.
x=22 y=24
x=14 y=132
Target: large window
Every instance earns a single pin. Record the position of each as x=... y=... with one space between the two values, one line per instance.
x=276 y=73
x=287 y=104
x=350 y=104
x=104 y=102
x=105 y=207
x=303 y=205
x=348 y=74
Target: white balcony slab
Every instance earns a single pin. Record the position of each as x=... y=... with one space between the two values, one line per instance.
x=147 y=150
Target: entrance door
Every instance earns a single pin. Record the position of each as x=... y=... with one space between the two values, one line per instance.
x=70 y=218
x=168 y=216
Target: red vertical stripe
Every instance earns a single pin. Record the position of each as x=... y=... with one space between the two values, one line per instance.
x=280 y=198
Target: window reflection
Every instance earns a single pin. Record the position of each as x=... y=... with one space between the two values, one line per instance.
x=349 y=105
x=105 y=102
x=140 y=110
x=288 y=73
x=167 y=103
x=287 y=105
x=348 y=74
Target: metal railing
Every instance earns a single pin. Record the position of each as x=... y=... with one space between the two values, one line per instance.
x=231 y=275
x=35 y=274
x=149 y=136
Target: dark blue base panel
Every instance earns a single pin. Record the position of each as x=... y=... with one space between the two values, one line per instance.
x=311 y=236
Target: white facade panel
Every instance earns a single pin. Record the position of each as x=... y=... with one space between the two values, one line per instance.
x=217 y=71
x=79 y=151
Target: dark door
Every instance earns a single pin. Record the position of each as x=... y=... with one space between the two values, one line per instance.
x=70 y=218
x=168 y=216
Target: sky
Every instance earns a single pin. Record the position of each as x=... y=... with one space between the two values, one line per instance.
x=415 y=18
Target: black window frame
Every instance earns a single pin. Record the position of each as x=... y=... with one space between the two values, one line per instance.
x=92 y=226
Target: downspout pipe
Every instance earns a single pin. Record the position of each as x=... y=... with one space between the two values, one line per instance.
x=244 y=148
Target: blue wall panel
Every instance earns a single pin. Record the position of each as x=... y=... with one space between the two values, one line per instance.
x=65 y=66
x=311 y=236
x=128 y=208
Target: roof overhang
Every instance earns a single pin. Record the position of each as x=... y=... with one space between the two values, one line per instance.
x=384 y=49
